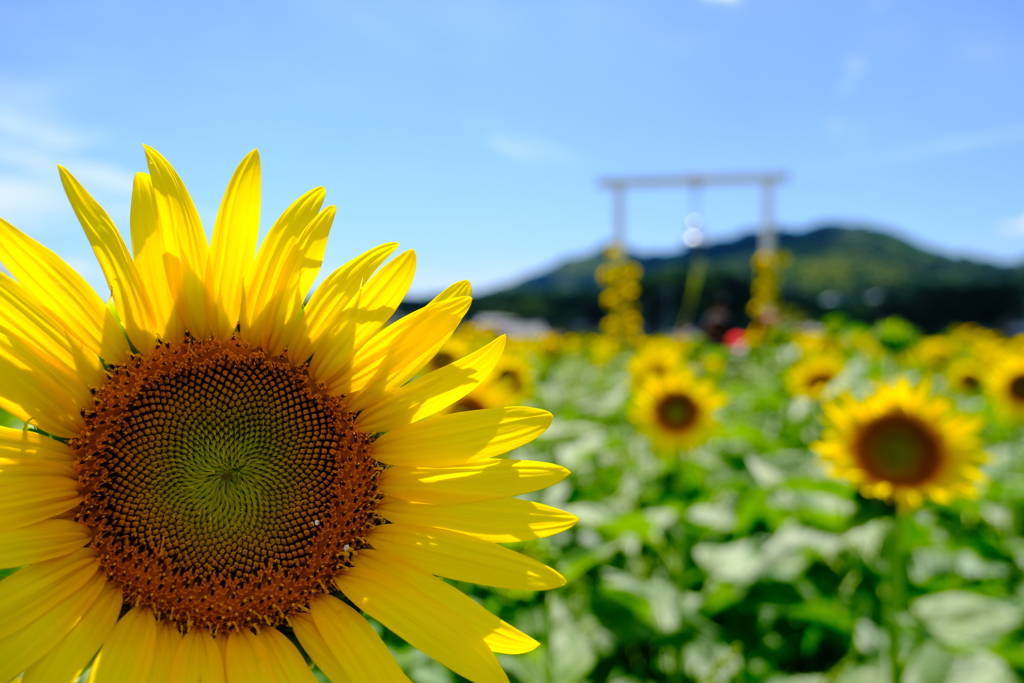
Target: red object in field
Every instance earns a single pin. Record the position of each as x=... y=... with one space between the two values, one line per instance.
x=733 y=336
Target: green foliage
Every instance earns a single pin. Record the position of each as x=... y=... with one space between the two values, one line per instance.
x=896 y=333
x=741 y=560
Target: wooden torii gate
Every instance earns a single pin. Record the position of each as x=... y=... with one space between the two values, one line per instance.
x=767 y=238
x=620 y=185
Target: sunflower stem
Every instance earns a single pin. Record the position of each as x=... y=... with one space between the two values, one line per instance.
x=897 y=589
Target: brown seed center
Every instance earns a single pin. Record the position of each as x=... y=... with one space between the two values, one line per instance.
x=898 y=448
x=224 y=488
x=676 y=412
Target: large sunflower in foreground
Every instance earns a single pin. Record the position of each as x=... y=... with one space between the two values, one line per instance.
x=676 y=409
x=902 y=445
x=216 y=478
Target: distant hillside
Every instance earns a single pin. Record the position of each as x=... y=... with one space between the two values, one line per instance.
x=929 y=290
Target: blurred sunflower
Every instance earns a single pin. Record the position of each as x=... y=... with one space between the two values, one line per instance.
x=1005 y=386
x=902 y=445
x=510 y=382
x=205 y=469
x=810 y=376
x=932 y=351
x=656 y=356
x=603 y=347
x=814 y=341
x=715 y=361
x=966 y=374
x=453 y=349
x=676 y=409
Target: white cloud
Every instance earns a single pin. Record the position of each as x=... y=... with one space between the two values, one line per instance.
x=957 y=143
x=855 y=68
x=30 y=149
x=31 y=131
x=526 y=149
x=21 y=196
x=1013 y=226
x=954 y=144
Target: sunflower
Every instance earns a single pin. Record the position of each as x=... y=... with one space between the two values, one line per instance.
x=676 y=409
x=810 y=376
x=902 y=445
x=966 y=374
x=455 y=348
x=1005 y=386
x=656 y=356
x=510 y=382
x=933 y=351
x=210 y=465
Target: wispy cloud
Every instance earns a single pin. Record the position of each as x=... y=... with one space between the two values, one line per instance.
x=527 y=150
x=957 y=143
x=31 y=131
x=954 y=144
x=1013 y=226
x=30 y=149
x=855 y=68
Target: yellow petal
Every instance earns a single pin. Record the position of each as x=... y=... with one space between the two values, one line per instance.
x=23 y=444
x=261 y=282
x=167 y=640
x=430 y=625
x=118 y=267
x=24 y=320
x=21 y=506
x=247 y=659
x=346 y=648
x=233 y=246
x=28 y=645
x=72 y=653
x=290 y=665
x=39 y=391
x=128 y=653
x=333 y=296
x=25 y=468
x=484 y=480
x=460 y=288
x=431 y=393
x=459 y=438
x=465 y=558
x=500 y=521
x=189 y=659
x=363 y=317
x=31 y=592
x=43 y=541
x=184 y=243
x=312 y=247
x=149 y=250
x=281 y=322
x=499 y=636
x=64 y=292
x=398 y=352
x=214 y=671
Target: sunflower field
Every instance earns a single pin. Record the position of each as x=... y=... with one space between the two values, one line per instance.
x=221 y=474
x=738 y=553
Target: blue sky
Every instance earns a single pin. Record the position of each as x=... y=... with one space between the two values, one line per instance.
x=475 y=131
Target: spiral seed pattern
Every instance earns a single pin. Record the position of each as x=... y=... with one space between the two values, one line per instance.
x=224 y=488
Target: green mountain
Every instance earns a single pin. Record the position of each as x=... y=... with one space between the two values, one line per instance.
x=862 y=272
